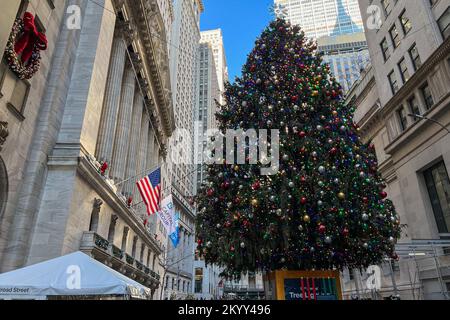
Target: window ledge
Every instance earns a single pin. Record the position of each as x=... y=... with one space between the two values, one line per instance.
x=19 y=115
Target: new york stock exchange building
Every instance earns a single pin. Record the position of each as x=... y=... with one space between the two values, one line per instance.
x=90 y=108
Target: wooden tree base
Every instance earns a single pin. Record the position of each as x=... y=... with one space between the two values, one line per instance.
x=303 y=285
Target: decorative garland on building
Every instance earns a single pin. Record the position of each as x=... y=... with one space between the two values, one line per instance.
x=23 y=48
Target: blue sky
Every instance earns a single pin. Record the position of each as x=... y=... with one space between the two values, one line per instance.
x=241 y=21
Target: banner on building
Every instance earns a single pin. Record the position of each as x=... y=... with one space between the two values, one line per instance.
x=167 y=214
x=175 y=236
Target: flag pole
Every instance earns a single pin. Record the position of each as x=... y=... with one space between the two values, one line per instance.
x=137 y=175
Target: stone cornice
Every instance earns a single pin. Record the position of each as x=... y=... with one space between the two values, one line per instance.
x=417 y=128
x=417 y=78
x=147 y=26
x=153 y=37
x=371 y=120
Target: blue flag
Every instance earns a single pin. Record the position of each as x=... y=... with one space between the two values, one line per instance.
x=175 y=236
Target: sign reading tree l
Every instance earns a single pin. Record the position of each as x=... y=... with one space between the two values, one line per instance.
x=325 y=208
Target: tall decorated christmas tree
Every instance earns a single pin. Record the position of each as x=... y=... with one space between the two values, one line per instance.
x=325 y=208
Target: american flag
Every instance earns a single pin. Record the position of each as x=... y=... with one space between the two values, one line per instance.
x=150 y=189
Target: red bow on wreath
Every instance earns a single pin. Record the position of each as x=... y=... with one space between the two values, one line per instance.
x=30 y=39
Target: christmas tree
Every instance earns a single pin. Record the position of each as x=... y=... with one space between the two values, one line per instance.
x=325 y=208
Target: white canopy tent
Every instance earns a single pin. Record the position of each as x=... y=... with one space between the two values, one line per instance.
x=75 y=274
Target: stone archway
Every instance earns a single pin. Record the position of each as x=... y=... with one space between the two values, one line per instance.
x=3 y=187
x=3 y=173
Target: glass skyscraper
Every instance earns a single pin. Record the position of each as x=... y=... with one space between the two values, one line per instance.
x=338 y=28
x=320 y=18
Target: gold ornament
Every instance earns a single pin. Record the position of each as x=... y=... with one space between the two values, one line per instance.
x=341 y=196
x=255 y=202
x=306 y=218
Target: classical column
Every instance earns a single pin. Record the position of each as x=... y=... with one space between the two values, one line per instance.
x=151 y=149
x=143 y=143
x=112 y=99
x=133 y=148
x=123 y=128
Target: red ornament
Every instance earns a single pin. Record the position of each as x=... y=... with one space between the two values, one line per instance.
x=345 y=232
x=366 y=200
x=303 y=200
x=322 y=229
x=333 y=151
x=256 y=185
x=303 y=179
x=103 y=168
x=302 y=134
x=210 y=192
x=383 y=194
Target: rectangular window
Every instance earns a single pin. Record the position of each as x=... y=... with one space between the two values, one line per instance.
x=384 y=49
x=415 y=57
x=438 y=185
x=394 y=36
x=444 y=23
x=198 y=280
x=403 y=70
x=427 y=96
x=403 y=121
x=414 y=106
x=406 y=23
x=393 y=82
x=386 y=6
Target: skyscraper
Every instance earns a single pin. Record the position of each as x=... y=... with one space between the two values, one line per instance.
x=211 y=65
x=215 y=40
x=179 y=171
x=338 y=28
x=320 y=18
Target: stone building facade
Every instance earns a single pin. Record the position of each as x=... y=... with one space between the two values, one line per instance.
x=102 y=95
x=180 y=170
x=206 y=285
x=409 y=75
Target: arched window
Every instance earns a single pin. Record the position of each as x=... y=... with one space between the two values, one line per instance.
x=125 y=238
x=154 y=262
x=112 y=228
x=133 y=250
x=95 y=215
x=3 y=187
